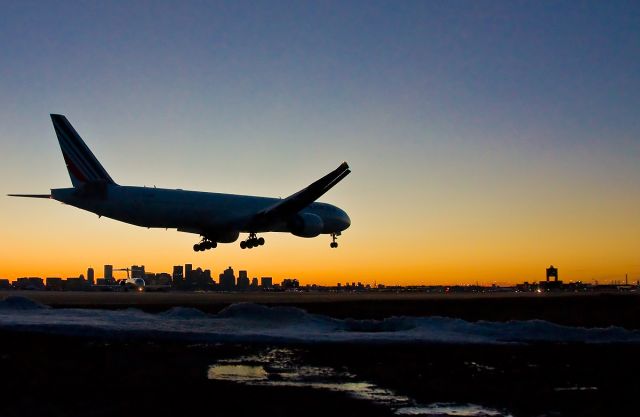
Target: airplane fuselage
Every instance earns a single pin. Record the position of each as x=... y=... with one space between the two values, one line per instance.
x=219 y=216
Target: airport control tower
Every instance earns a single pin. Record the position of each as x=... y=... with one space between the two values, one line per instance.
x=552 y=273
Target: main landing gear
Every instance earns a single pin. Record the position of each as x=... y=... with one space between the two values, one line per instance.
x=252 y=242
x=334 y=237
x=206 y=244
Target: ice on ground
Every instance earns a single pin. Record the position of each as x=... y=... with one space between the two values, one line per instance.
x=257 y=323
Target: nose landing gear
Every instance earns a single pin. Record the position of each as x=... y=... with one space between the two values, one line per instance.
x=206 y=244
x=334 y=237
x=252 y=242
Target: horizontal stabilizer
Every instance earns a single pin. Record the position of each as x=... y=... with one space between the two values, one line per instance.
x=30 y=195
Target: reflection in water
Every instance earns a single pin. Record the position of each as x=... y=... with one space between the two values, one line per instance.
x=480 y=367
x=280 y=367
x=237 y=373
x=446 y=409
x=576 y=388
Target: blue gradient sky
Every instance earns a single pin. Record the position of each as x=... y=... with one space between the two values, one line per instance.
x=487 y=139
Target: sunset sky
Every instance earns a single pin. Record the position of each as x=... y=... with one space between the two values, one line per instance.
x=487 y=139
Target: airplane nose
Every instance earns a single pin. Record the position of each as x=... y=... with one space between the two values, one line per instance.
x=344 y=221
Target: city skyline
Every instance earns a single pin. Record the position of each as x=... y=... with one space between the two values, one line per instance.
x=486 y=140
x=111 y=272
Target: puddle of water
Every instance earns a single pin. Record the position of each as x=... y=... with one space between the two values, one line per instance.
x=237 y=373
x=445 y=409
x=280 y=367
x=576 y=389
x=480 y=367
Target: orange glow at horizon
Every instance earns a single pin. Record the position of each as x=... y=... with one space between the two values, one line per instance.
x=453 y=233
x=453 y=252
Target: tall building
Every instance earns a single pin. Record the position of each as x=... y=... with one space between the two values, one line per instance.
x=552 y=272
x=90 y=276
x=178 y=276
x=548 y=285
x=243 y=280
x=266 y=282
x=227 y=279
x=293 y=283
x=137 y=271
x=187 y=271
x=108 y=274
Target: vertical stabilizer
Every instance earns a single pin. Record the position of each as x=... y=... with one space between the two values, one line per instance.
x=82 y=165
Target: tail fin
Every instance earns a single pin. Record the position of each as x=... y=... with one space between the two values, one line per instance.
x=82 y=165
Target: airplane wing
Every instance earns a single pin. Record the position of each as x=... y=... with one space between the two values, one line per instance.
x=296 y=202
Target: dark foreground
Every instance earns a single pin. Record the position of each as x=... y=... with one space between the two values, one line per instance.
x=572 y=309
x=47 y=375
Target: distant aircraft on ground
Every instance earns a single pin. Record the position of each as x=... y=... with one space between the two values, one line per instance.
x=217 y=218
x=136 y=284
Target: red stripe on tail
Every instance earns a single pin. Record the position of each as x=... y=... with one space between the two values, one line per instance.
x=73 y=169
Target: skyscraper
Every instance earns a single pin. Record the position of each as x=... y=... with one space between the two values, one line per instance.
x=243 y=280
x=178 y=276
x=137 y=271
x=90 y=277
x=227 y=279
x=108 y=274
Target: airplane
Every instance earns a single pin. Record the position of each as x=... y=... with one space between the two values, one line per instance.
x=135 y=284
x=216 y=217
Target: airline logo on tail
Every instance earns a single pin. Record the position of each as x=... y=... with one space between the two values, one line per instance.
x=82 y=165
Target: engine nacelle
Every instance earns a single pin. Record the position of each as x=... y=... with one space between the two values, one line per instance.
x=306 y=225
x=226 y=237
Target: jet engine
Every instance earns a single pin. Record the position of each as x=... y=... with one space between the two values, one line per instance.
x=306 y=225
x=226 y=237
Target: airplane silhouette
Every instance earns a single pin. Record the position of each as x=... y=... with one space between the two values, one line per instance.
x=216 y=217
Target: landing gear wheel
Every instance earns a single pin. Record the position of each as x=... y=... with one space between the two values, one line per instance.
x=252 y=241
x=334 y=236
x=206 y=244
